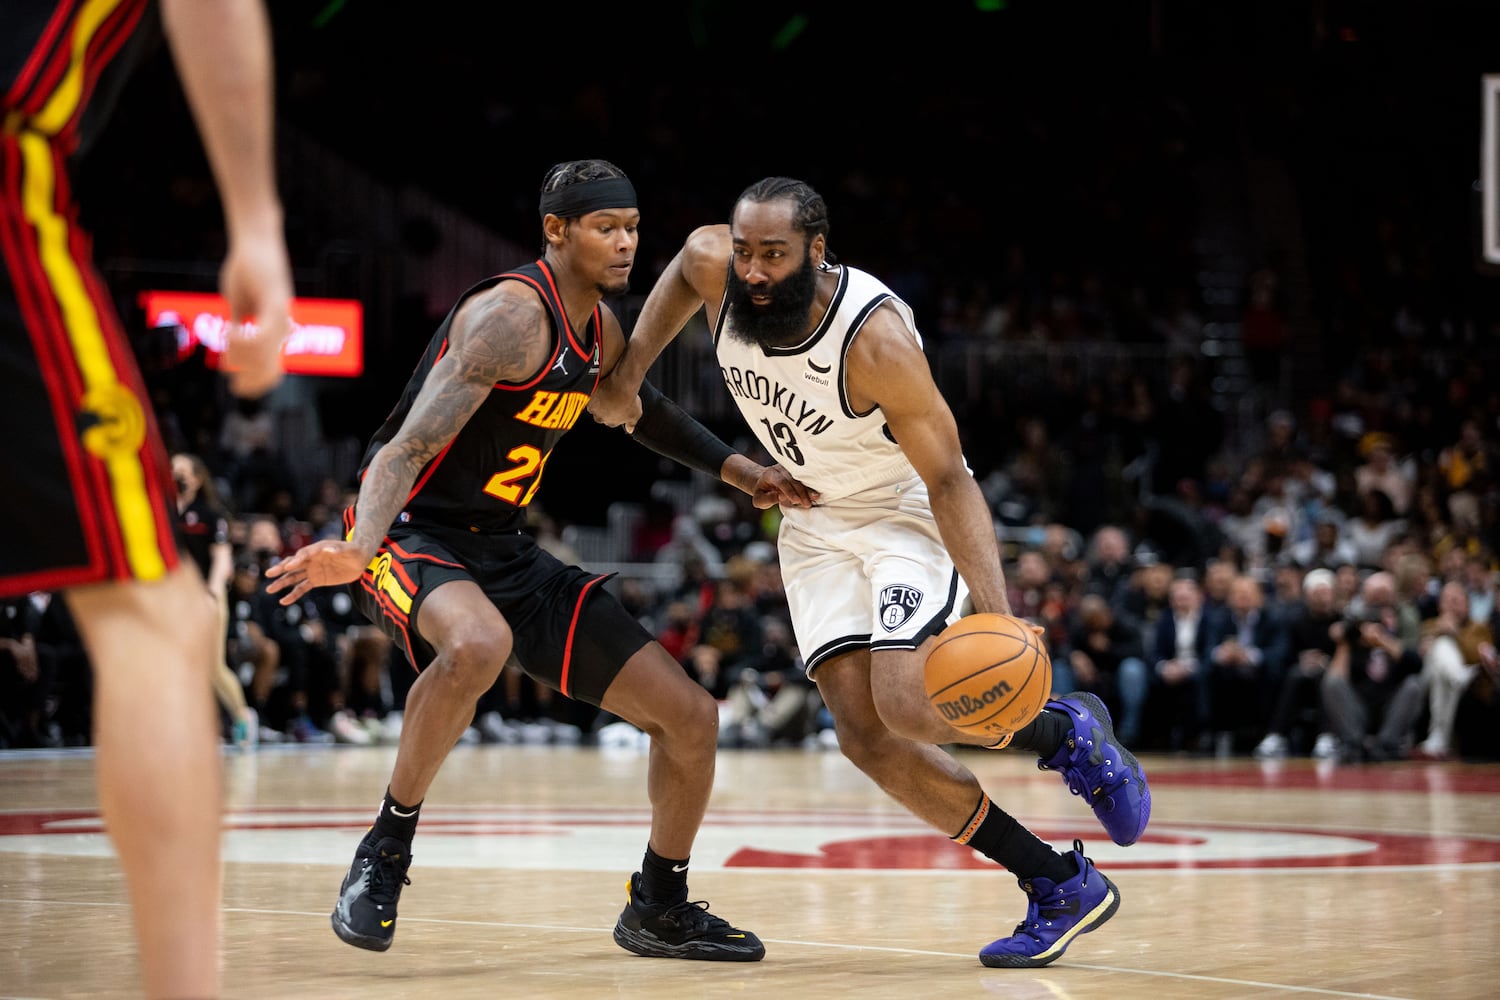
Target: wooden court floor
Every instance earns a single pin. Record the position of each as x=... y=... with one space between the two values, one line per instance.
x=1286 y=879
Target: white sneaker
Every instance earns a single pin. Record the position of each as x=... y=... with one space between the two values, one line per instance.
x=495 y=729
x=347 y=730
x=1325 y=747
x=1273 y=747
x=564 y=732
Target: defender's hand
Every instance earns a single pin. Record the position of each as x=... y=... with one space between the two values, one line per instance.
x=616 y=404
x=320 y=564
x=776 y=486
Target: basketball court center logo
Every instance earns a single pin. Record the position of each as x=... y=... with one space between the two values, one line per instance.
x=897 y=604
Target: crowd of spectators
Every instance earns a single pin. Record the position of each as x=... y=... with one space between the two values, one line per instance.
x=1332 y=593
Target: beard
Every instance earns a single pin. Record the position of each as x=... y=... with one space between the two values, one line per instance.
x=781 y=322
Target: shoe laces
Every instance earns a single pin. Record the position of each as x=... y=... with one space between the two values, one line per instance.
x=694 y=916
x=1084 y=758
x=1049 y=904
x=386 y=874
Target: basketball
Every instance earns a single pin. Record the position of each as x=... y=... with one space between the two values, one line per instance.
x=988 y=675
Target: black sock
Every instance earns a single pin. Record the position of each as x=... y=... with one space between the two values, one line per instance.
x=663 y=880
x=995 y=833
x=394 y=820
x=1044 y=734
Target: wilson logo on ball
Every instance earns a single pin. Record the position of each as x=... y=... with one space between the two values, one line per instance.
x=966 y=705
x=988 y=674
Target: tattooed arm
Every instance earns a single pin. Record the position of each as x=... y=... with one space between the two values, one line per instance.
x=500 y=334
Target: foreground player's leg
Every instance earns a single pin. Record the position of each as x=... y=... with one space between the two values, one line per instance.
x=161 y=798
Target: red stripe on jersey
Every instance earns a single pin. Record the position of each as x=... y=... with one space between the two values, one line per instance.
x=420 y=555
x=45 y=326
x=105 y=44
x=46 y=44
x=567 y=324
x=567 y=663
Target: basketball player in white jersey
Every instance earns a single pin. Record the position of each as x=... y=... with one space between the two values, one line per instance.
x=826 y=365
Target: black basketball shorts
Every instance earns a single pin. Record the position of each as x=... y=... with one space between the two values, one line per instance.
x=570 y=633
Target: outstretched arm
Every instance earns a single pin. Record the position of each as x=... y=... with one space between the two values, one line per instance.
x=222 y=50
x=500 y=334
x=686 y=284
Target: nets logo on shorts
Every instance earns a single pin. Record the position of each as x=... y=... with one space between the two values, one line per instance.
x=897 y=603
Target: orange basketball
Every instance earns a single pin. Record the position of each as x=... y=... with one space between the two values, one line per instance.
x=988 y=675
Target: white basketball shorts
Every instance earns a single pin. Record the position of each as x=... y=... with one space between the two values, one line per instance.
x=867 y=571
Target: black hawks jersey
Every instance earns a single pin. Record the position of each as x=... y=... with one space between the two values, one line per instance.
x=490 y=471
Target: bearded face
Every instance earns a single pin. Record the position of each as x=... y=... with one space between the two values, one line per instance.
x=779 y=318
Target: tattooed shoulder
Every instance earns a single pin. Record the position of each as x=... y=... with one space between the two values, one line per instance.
x=503 y=334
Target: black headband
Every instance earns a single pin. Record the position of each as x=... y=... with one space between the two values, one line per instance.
x=588 y=196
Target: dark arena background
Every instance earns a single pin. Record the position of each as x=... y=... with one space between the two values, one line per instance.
x=1058 y=188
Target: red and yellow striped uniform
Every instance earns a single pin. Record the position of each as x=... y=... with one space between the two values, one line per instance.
x=85 y=485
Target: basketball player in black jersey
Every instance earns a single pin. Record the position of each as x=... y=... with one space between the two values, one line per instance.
x=87 y=497
x=437 y=556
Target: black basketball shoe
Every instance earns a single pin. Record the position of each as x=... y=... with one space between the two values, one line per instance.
x=366 y=912
x=681 y=930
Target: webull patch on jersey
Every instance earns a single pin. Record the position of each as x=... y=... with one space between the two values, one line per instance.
x=898 y=603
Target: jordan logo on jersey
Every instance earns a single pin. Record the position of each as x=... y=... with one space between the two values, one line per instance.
x=897 y=604
x=562 y=356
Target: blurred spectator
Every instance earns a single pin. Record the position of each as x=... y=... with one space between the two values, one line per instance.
x=1382 y=472
x=1373 y=530
x=1144 y=602
x=1218 y=578
x=28 y=685
x=45 y=677
x=203 y=526
x=770 y=699
x=1104 y=657
x=1180 y=679
x=1326 y=548
x=1028 y=585
x=1298 y=712
x=1454 y=649
x=1110 y=565
x=1368 y=667
x=1479 y=583
x=1468 y=464
x=1247 y=654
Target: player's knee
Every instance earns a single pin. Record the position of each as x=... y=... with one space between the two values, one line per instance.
x=688 y=716
x=865 y=746
x=903 y=717
x=471 y=662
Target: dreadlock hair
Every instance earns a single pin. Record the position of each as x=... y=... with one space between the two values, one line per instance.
x=576 y=171
x=810 y=211
x=568 y=173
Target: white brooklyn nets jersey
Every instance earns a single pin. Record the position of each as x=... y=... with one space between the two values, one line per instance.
x=866 y=568
x=794 y=399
